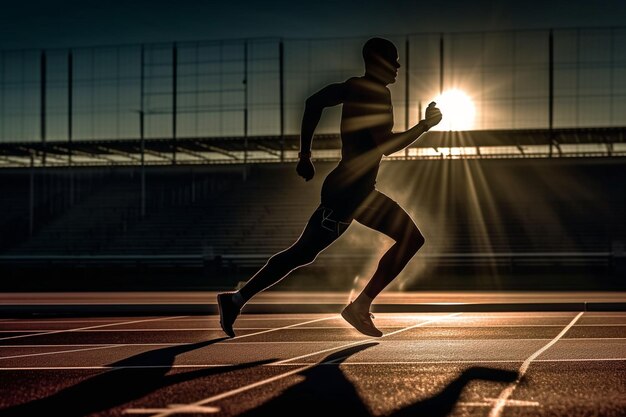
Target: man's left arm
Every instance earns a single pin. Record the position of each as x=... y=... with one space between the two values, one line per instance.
x=394 y=142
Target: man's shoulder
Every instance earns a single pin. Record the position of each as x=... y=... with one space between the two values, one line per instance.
x=352 y=82
x=367 y=84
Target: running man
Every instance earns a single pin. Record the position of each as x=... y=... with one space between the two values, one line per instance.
x=349 y=191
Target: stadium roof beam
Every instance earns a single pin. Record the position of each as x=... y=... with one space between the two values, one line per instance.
x=120 y=153
x=50 y=147
x=213 y=148
x=273 y=152
x=97 y=156
x=156 y=153
x=13 y=161
x=187 y=151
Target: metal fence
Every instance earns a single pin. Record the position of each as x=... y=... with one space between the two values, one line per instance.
x=539 y=79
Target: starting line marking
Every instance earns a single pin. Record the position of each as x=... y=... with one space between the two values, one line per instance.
x=496 y=411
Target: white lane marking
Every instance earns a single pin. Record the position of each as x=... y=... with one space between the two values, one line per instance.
x=202 y=329
x=403 y=316
x=110 y=368
x=486 y=326
x=58 y=352
x=390 y=316
x=304 y=364
x=184 y=319
x=496 y=411
x=280 y=328
x=359 y=341
x=180 y=408
x=86 y=328
x=461 y=361
x=90 y=320
x=469 y=326
x=94 y=346
x=294 y=371
x=120 y=345
x=287 y=342
x=488 y=402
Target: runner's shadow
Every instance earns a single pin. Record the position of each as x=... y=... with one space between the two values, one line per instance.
x=442 y=403
x=326 y=391
x=129 y=379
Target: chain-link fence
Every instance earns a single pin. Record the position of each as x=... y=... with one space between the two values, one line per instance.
x=537 y=79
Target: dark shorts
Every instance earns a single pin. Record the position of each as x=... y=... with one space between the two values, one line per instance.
x=336 y=215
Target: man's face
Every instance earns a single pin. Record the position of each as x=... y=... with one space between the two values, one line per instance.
x=385 y=67
x=392 y=67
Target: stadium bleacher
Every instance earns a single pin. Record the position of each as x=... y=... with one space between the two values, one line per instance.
x=504 y=211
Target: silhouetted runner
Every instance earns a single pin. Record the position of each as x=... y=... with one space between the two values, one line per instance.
x=349 y=191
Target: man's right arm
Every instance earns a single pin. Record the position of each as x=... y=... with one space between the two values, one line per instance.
x=328 y=96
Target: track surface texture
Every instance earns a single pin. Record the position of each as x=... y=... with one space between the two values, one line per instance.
x=439 y=364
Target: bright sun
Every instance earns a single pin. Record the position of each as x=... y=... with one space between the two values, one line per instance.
x=458 y=110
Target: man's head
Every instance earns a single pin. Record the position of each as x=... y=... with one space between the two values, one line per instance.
x=381 y=60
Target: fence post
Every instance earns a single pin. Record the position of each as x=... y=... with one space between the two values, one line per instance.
x=281 y=58
x=70 y=93
x=245 y=101
x=407 y=100
x=31 y=196
x=174 y=94
x=141 y=131
x=550 y=91
x=42 y=98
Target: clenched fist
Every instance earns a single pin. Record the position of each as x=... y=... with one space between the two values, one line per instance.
x=433 y=115
x=305 y=168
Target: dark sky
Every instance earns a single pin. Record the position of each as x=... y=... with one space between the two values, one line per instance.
x=36 y=23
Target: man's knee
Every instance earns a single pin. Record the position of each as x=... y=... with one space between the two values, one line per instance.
x=414 y=241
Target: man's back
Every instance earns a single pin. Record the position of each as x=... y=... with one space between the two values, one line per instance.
x=367 y=111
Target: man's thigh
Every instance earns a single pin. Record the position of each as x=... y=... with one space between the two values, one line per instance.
x=383 y=214
x=322 y=229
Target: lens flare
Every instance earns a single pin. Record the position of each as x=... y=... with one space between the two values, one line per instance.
x=458 y=110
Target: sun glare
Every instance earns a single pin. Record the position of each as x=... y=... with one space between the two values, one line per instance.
x=458 y=110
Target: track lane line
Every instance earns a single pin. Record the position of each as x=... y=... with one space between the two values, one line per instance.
x=278 y=328
x=58 y=352
x=287 y=342
x=203 y=402
x=175 y=344
x=304 y=364
x=190 y=329
x=496 y=411
x=121 y=345
x=88 y=327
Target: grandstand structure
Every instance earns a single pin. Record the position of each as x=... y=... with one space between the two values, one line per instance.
x=178 y=159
